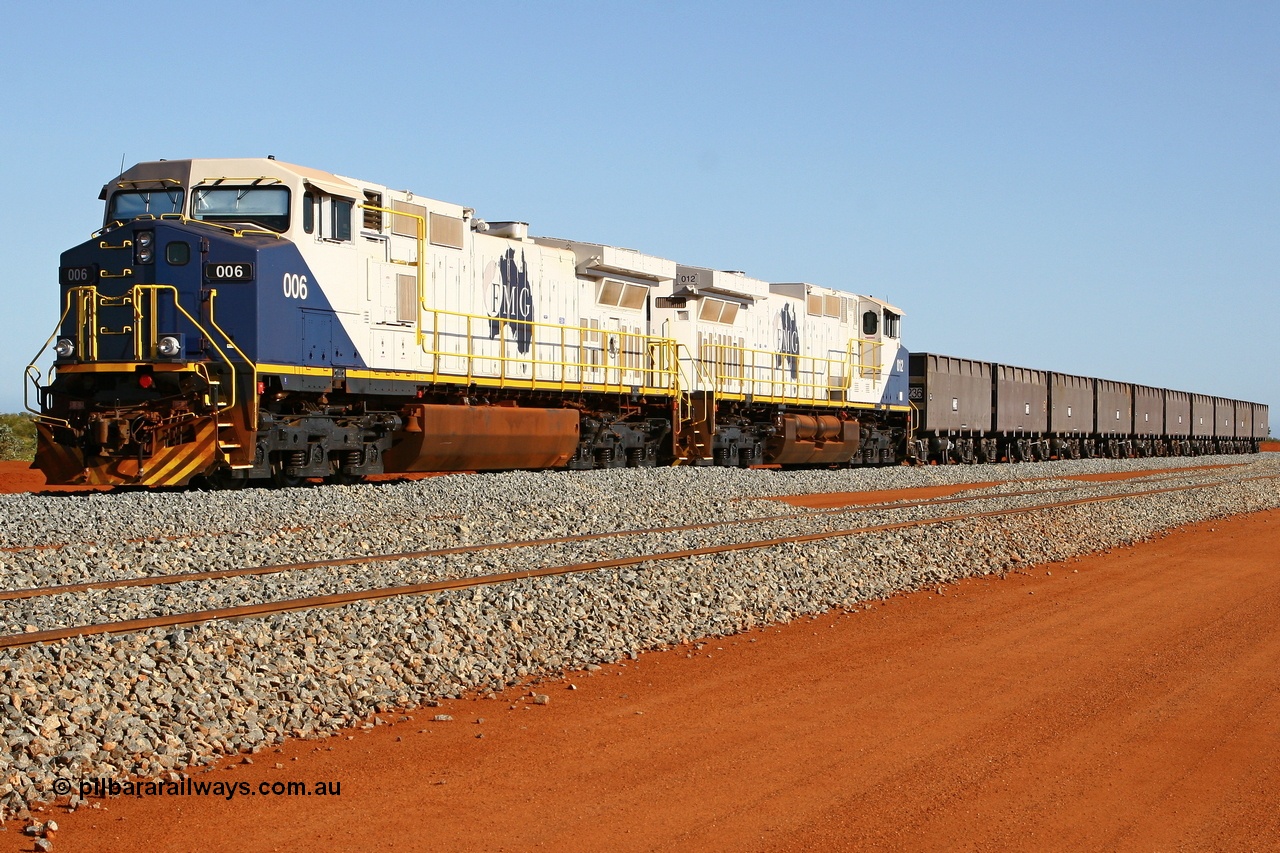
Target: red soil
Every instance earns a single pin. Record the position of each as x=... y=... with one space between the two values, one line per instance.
x=1125 y=701
x=21 y=477
x=1129 y=475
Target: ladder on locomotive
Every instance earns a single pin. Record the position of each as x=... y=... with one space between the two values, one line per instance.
x=695 y=411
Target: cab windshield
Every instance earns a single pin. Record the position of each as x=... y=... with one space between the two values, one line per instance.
x=267 y=207
x=130 y=204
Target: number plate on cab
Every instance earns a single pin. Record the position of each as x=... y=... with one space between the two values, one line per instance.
x=76 y=276
x=228 y=272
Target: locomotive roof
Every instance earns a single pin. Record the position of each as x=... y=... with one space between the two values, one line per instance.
x=187 y=172
x=591 y=258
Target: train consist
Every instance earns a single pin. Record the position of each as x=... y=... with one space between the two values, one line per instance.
x=978 y=411
x=248 y=319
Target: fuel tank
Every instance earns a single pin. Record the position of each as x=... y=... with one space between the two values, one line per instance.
x=482 y=438
x=812 y=440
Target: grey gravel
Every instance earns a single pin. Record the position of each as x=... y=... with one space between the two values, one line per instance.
x=152 y=703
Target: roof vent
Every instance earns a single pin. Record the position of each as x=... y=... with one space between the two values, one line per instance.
x=510 y=230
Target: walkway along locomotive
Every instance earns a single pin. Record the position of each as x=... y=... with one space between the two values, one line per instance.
x=248 y=319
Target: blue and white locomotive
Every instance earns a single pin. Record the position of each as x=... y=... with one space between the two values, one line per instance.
x=248 y=319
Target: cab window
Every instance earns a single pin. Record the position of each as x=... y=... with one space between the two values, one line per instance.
x=265 y=207
x=342 y=219
x=870 y=323
x=130 y=204
x=892 y=324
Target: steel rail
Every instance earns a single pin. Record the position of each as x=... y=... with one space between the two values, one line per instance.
x=254 y=571
x=344 y=598
x=204 y=534
x=1158 y=474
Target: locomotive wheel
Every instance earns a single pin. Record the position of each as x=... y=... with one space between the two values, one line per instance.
x=221 y=480
x=286 y=481
x=344 y=478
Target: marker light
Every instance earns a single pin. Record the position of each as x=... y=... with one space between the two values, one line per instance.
x=169 y=346
x=64 y=348
x=144 y=247
x=145 y=380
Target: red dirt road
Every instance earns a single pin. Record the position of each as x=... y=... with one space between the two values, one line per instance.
x=1128 y=701
x=21 y=477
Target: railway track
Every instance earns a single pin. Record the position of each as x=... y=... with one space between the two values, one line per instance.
x=191 y=535
x=364 y=559
x=203 y=534
x=344 y=598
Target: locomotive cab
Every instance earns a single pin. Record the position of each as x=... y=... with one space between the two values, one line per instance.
x=164 y=320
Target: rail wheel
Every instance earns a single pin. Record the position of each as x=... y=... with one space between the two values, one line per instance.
x=223 y=480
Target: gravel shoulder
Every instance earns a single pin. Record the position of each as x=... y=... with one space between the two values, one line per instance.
x=165 y=703
x=1121 y=701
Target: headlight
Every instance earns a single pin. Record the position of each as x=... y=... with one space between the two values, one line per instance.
x=64 y=348
x=144 y=247
x=169 y=346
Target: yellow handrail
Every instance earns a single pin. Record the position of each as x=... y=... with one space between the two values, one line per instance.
x=186 y=220
x=419 y=263
x=154 y=290
x=217 y=182
x=235 y=232
x=569 y=364
x=85 y=301
x=136 y=181
x=35 y=380
x=729 y=369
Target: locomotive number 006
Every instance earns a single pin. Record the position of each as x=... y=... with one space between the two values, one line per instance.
x=295 y=286
x=228 y=272
x=72 y=276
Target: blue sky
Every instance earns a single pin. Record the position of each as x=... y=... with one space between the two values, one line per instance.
x=1086 y=187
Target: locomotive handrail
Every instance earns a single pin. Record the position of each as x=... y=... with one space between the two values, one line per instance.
x=235 y=232
x=419 y=264
x=214 y=182
x=653 y=375
x=155 y=290
x=737 y=370
x=32 y=368
x=683 y=404
x=136 y=181
x=185 y=220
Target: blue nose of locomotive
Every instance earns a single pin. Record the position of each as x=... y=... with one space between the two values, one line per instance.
x=137 y=292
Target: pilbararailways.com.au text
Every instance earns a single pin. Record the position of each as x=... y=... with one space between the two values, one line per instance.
x=196 y=788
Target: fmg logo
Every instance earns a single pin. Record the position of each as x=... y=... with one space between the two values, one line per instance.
x=511 y=299
x=788 y=331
